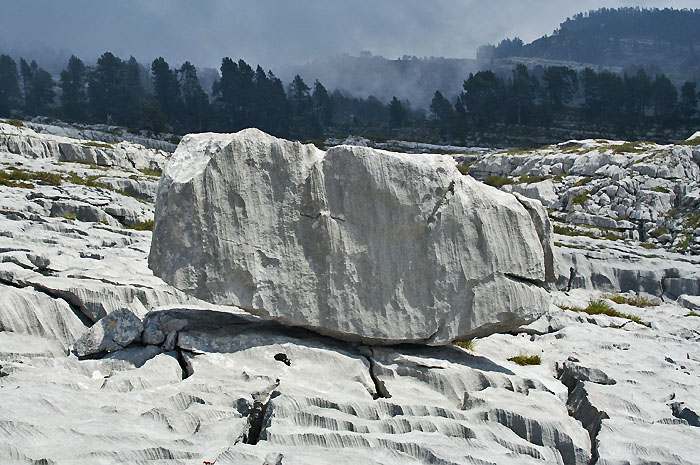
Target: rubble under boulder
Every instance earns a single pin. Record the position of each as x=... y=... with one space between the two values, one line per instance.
x=356 y=243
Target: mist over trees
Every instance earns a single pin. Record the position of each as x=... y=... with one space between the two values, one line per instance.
x=521 y=99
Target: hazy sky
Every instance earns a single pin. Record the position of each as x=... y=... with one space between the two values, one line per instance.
x=278 y=32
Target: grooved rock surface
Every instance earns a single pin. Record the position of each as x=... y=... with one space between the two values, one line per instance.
x=356 y=243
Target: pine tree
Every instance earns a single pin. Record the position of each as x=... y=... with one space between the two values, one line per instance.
x=688 y=102
x=38 y=87
x=166 y=90
x=195 y=100
x=9 y=85
x=73 y=89
x=323 y=106
x=397 y=113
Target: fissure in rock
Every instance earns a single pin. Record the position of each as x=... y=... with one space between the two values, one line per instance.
x=380 y=390
x=581 y=408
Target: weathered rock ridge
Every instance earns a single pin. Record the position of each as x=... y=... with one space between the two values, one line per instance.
x=361 y=244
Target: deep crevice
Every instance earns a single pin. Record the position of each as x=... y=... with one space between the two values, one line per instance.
x=258 y=416
x=185 y=363
x=438 y=205
x=524 y=280
x=380 y=390
x=581 y=409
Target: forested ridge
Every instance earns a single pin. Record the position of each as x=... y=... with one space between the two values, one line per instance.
x=660 y=40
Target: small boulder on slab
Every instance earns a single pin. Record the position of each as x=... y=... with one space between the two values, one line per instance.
x=111 y=333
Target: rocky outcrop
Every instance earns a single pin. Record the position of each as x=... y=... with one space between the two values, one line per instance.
x=634 y=190
x=361 y=244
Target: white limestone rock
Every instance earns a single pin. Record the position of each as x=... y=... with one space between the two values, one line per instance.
x=361 y=244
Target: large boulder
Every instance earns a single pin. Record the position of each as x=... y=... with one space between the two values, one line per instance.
x=356 y=243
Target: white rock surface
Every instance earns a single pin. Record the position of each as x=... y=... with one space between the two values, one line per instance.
x=362 y=244
x=235 y=389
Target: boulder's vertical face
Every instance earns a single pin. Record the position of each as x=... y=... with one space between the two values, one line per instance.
x=360 y=244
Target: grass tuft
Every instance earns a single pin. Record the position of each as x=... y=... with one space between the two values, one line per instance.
x=467 y=345
x=601 y=307
x=497 y=181
x=143 y=226
x=151 y=172
x=100 y=145
x=69 y=216
x=524 y=360
x=636 y=300
x=14 y=122
x=693 y=313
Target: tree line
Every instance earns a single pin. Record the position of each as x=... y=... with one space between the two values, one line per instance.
x=123 y=92
x=550 y=95
x=165 y=98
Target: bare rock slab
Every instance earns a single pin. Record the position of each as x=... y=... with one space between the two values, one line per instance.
x=356 y=243
x=113 y=332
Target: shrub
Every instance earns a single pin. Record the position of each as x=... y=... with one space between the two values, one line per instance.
x=69 y=216
x=497 y=181
x=648 y=245
x=524 y=360
x=464 y=169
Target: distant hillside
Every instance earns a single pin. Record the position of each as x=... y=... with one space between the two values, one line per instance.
x=408 y=78
x=658 y=40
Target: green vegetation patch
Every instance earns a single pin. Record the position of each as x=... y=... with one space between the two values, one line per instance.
x=692 y=313
x=583 y=181
x=19 y=177
x=630 y=147
x=527 y=179
x=151 y=172
x=601 y=307
x=580 y=199
x=14 y=122
x=467 y=345
x=99 y=145
x=89 y=181
x=69 y=216
x=648 y=245
x=692 y=142
x=663 y=190
x=143 y=226
x=497 y=181
x=636 y=301
x=464 y=169
x=89 y=164
x=524 y=360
